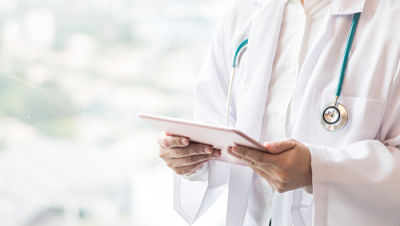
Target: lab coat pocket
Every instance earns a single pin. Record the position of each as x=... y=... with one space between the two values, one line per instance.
x=364 y=119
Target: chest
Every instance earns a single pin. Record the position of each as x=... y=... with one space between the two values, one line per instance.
x=365 y=88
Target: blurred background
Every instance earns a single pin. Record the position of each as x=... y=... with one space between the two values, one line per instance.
x=74 y=75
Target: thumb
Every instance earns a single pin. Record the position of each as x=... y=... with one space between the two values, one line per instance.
x=280 y=146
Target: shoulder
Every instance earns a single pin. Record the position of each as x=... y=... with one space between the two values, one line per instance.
x=382 y=19
x=384 y=10
x=239 y=16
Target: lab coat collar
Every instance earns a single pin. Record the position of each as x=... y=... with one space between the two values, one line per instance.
x=345 y=7
x=338 y=7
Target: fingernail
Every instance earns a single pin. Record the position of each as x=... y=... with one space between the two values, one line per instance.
x=208 y=150
x=217 y=153
x=184 y=141
x=268 y=144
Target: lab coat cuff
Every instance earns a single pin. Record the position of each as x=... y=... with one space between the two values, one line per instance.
x=320 y=178
x=199 y=175
x=319 y=163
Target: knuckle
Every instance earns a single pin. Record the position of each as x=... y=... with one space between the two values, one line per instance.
x=281 y=187
x=199 y=165
x=187 y=171
x=164 y=142
x=170 y=164
x=180 y=171
x=163 y=154
x=280 y=190
x=253 y=164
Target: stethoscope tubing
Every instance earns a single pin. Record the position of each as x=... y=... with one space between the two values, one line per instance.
x=241 y=47
x=349 y=44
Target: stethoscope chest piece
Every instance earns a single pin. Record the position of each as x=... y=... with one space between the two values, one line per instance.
x=334 y=117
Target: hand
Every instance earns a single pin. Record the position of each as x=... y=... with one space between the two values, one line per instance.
x=185 y=157
x=286 y=167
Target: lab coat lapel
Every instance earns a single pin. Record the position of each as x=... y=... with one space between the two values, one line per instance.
x=303 y=79
x=263 y=40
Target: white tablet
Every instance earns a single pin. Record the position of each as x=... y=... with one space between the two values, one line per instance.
x=219 y=137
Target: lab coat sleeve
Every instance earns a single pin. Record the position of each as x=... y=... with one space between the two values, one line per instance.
x=194 y=194
x=362 y=177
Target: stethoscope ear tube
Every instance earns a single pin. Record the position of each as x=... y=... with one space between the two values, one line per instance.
x=241 y=47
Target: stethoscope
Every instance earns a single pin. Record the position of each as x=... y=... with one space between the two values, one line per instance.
x=334 y=116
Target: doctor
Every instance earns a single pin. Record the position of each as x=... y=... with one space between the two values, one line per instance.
x=321 y=88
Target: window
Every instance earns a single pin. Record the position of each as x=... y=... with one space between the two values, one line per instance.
x=74 y=74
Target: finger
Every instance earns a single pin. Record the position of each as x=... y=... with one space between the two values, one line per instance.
x=253 y=155
x=251 y=163
x=169 y=141
x=185 y=170
x=259 y=168
x=248 y=161
x=195 y=169
x=280 y=146
x=217 y=153
x=192 y=149
x=190 y=160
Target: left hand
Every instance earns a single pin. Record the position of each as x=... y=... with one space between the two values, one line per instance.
x=286 y=167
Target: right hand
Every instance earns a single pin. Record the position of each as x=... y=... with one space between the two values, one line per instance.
x=185 y=157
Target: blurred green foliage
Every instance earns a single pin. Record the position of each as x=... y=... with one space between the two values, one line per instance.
x=46 y=107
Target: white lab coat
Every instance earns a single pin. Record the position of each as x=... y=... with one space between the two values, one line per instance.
x=356 y=171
